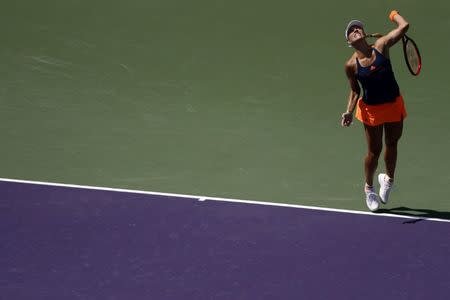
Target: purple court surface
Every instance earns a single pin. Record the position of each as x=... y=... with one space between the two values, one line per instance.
x=72 y=243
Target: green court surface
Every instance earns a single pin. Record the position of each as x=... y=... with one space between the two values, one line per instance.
x=236 y=99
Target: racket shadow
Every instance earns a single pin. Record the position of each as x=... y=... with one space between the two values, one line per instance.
x=416 y=212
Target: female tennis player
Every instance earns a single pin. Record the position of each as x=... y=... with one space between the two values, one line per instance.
x=381 y=108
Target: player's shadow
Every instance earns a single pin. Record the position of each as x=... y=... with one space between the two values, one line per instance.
x=419 y=213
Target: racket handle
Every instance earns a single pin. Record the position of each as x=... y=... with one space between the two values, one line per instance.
x=375 y=35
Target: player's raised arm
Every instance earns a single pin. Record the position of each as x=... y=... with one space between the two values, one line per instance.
x=395 y=35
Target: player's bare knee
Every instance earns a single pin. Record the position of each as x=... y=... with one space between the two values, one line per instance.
x=392 y=143
x=374 y=153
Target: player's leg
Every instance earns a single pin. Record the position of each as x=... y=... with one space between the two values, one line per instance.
x=393 y=132
x=374 y=138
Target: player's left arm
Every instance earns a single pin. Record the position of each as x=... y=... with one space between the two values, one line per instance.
x=395 y=35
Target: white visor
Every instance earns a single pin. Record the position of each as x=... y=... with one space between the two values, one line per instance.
x=352 y=23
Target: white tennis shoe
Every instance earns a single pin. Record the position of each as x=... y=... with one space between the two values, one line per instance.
x=385 y=187
x=372 y=200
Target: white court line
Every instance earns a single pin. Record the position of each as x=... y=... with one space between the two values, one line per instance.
x=206 y=198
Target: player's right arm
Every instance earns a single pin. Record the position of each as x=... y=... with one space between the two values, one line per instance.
x=355 y=90
x=395 y=35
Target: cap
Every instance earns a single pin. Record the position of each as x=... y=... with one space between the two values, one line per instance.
x=353 y=23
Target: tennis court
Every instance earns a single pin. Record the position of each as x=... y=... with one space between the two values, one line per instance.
x=90 y=243
x=222 y=100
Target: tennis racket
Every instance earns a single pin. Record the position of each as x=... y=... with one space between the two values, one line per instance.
x=412 y=55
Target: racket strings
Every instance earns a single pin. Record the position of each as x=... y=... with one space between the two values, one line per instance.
x=412 y=56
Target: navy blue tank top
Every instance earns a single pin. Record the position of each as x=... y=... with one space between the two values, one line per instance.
x=378 y=81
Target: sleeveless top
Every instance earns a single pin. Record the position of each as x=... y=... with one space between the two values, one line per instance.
x=378 y=81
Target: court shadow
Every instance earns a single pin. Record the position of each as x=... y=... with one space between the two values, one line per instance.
x=419 y=213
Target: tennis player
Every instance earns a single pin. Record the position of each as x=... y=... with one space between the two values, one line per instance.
x=381 y=108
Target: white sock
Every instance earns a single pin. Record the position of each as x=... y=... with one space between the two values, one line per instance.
x=368 y=188
x=388 y=179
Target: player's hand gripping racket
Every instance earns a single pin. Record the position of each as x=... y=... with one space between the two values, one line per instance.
x=412 y=55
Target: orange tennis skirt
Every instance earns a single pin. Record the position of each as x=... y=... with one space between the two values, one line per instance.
x=374 y=115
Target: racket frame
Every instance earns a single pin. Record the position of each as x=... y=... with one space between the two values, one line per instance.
x=406 y=39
